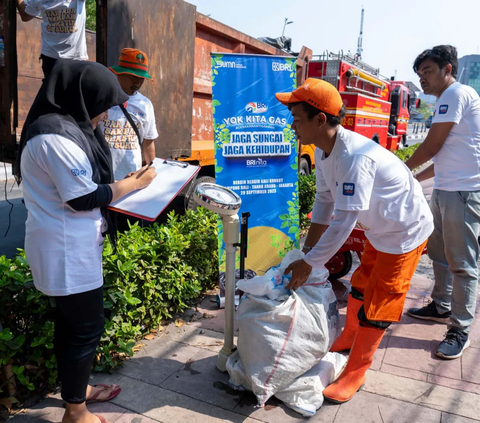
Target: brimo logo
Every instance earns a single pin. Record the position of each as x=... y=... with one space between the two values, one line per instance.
x=277 y=67
x=256 y=162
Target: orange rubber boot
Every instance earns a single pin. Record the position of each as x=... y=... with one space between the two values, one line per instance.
x=345 y=340
x=360 y=359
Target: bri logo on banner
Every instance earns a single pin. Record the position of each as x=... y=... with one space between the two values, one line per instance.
x=279 y=67
x=257 y=107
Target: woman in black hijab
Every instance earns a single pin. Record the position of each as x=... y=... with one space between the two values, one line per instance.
x=66 y=168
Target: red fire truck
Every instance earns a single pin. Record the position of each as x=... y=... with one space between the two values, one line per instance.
x=376 y=107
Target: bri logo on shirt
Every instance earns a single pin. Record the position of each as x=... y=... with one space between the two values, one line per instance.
x=78 y=172
x=443 y=109
x=348 y=189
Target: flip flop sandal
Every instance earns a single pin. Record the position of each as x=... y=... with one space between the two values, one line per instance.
x=117 y=389
x=102 y=419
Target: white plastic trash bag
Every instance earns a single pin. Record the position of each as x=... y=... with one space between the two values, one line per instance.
x=273 y=283
x=304 y=394
x=280 y=340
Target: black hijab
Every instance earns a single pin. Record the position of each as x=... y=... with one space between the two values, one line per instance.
x=72 y=95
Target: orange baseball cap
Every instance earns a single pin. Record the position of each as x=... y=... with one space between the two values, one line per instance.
x=316 y=92
x=133 y=62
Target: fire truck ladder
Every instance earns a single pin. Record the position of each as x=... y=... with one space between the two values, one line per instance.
x=363 y=73
x=332 y=68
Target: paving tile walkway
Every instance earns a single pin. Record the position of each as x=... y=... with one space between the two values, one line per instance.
x=174 y=378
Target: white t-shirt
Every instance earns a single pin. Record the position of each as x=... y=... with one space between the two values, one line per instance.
x=457 y=164
x=362 y=176
x=63 y=246
x=124 y=143
x=63 y=27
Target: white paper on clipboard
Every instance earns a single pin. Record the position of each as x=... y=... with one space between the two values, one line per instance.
x=149 y=202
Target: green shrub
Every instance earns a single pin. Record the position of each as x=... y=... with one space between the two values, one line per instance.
x=155 y=272
x=405 y=153
x=307 y=191
x=26 y=315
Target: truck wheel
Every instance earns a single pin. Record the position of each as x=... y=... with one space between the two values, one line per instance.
x=376 y=138
x=404 y=140
x=304 y=167
x=190 y=203
x=339 y=265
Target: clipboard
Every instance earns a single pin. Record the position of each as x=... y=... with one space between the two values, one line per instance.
x=149 y=202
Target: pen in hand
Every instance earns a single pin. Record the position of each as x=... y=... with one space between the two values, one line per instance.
x=140 y=172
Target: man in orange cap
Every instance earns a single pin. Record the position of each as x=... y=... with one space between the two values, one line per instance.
x=125 y=145
x=357 y=180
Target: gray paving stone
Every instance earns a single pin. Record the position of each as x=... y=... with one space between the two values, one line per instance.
x=410 y=327
x=49 y=410
x=419 y=354
x=200 y=379
x=171 y=407
x=130 y=417
x=158 y=360
x=465 y=404
x=371 y=408
x=451 y=418
x=276 y=412
x=470 y=360
x=110 y=411
x=193 y=336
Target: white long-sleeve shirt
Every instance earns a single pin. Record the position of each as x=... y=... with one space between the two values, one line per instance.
x=366 y=182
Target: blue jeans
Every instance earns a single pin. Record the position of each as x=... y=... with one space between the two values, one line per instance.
x=453 y=247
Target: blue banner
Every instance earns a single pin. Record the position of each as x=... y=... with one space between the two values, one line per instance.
x=256 y=151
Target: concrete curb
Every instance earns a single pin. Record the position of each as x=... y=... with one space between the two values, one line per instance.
x=416 y=136
x=5 y=172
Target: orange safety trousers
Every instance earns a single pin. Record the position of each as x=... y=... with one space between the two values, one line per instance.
x=384 y=280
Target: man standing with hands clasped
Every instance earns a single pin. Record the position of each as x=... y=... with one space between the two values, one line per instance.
x=358 y=180
x=453 y=143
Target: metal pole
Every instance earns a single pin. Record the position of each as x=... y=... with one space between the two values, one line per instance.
x=230 y=236
x=243 y=242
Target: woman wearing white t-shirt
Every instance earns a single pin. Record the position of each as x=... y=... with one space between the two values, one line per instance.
x=65 y=165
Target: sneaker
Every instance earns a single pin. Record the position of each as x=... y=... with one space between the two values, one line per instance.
x=429 y=312
x=455 y=342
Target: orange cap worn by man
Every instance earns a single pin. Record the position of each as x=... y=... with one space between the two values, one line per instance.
x=126 y=148
x=358 y=180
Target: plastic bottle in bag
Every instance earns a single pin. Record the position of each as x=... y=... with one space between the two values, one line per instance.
x=2 y=52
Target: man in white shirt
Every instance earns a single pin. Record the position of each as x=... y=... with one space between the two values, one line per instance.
x=358 y=180
x=453 y=143
x=63 y=29
x=126 y=148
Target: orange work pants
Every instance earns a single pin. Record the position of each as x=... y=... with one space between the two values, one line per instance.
x=384 y=280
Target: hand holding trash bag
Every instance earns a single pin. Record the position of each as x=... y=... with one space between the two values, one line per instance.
x=300 y=272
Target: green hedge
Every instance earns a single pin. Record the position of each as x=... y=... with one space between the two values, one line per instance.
x=405 y=153
x=155 y=273
x=307 y=191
